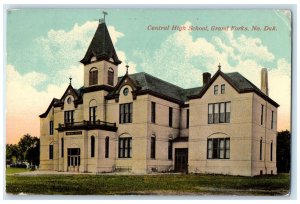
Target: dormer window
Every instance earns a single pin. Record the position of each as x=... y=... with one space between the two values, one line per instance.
x=110 y=76
x=93 y=77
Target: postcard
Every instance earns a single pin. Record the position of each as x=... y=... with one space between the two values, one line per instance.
x=148 y=101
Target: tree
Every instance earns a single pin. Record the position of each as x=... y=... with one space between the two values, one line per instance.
x=283 y=151
x=12 y=153
x=29 y=148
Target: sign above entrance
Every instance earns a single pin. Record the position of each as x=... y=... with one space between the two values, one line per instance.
x=74 y=133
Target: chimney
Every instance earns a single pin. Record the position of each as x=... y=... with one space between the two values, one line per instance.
x=206 y=78
x=264 y=81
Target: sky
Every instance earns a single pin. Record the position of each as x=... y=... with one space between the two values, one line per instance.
x=44 y=47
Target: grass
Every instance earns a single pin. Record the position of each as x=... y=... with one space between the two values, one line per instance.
x=12 y=170
x=170 y=184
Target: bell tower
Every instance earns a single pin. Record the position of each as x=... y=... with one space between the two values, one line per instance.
x=101 y=60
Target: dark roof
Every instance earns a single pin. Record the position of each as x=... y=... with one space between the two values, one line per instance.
x=239 y=83
x=147 y=82
x=59 y=102
x=101 y=47
x=53 y=102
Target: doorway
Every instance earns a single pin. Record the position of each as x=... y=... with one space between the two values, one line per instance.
x=181 y=159
x=73 y=159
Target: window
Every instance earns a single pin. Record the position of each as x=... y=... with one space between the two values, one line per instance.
x=93 y=76
x=222 y=88
x=51 y=151
x=260 y=149
x=51 y=127
x=219 y=113
x=125 y=91
x=110 y=77
x=92 y=115
x=187 y=118
x=62 y=147
x=125 y=115
x=69 y=117
x=153 y=111
x=271 y=151
x=107 y=147
x=125 y=147
x=153 y=147
x=170 y=150
x=262 y=115
x=92 y=146
x=216 y=113
x=272 y=120
x=215 y=89
x=170 y=116
x=218 y=148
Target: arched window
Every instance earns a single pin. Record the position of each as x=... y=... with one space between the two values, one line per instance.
x=92 y=146
x=110 y=76
x=107 y=147
x=93 y=76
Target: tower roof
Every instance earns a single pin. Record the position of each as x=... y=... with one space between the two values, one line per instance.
x=101 y=47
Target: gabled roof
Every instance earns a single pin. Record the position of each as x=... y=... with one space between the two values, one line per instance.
x=53 y=102
x=146 y=83
x=101 y=47
x=77 y=94
x=238 y=82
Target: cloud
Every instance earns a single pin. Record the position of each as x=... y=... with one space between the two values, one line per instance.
x=25 y=103
x=181 y=59
x=61 y=48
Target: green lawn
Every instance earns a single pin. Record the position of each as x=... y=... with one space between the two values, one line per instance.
x=12 y=170
x=174 y=184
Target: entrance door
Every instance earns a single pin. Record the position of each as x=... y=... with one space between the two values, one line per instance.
x=73 y=159
x=181 y=159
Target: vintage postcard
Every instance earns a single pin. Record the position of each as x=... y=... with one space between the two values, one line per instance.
x=148 y=101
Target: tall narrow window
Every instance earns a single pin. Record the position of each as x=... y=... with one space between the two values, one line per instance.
x=170 y=117
x=51 y=151
x=170 y=150
x=187 y=118
x=262 y=114
x=210 y=113
x=69 y=119
x=260 y=149
x=125 y=114
x=110 y=77
x=216 y=113
x=62 y=147
x=222 y=112
x=215 y=89
x=51 y=127
x=107 y=147
x=92 y=115
x=271 y=151
x=227 y=110
x=93 y=76
x=153 y=147
x=272 y=120
x=222 y=88
x=92 y=146
x=153 y=112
